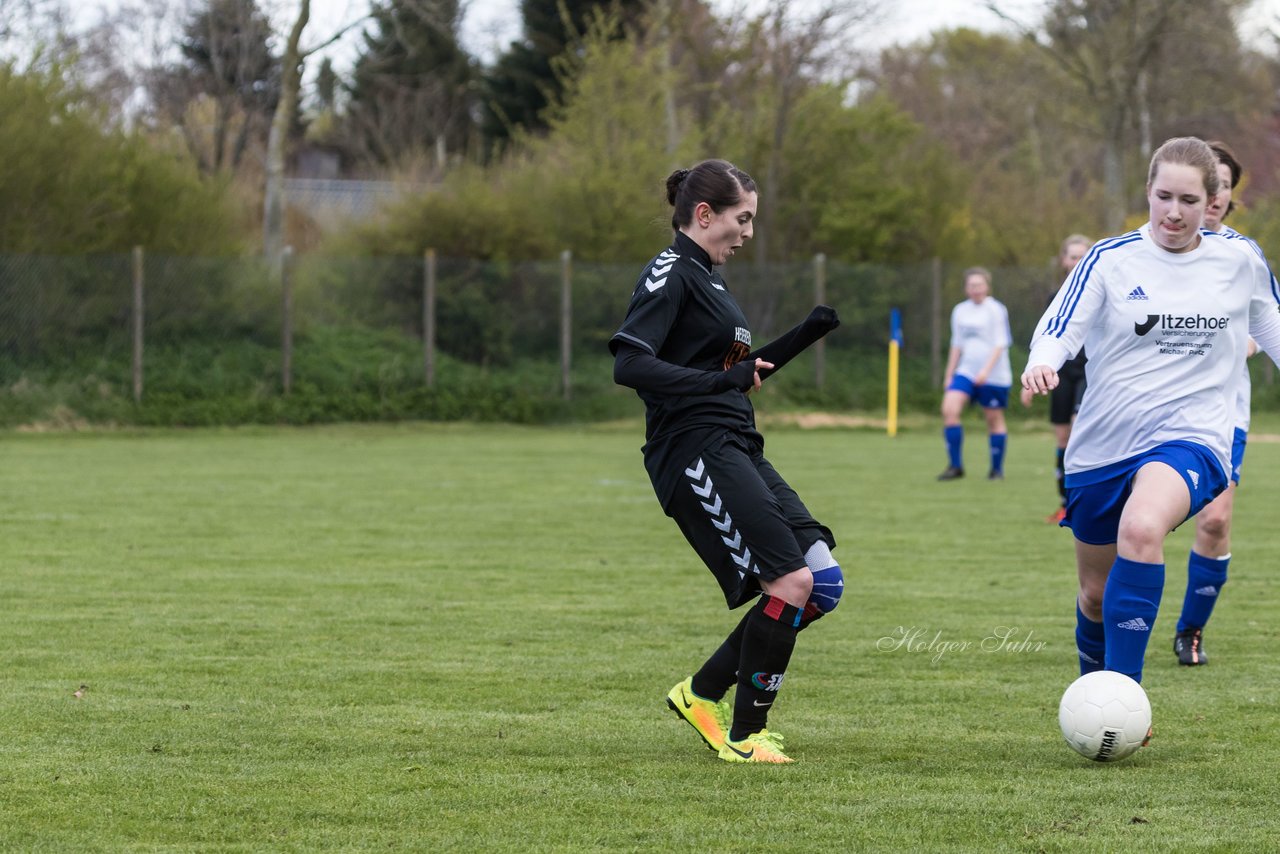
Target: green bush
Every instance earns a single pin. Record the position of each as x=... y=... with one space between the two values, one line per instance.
x=348 y=373
x=83 y=188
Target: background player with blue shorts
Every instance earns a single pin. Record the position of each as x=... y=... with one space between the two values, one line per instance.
x=977 y=372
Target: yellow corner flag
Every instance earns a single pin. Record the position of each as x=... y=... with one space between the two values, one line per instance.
x=895 y=345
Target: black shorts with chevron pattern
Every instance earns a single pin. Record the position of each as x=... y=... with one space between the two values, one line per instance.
x=742 y=518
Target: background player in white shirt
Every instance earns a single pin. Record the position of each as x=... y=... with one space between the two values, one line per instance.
x=1167 y=312
x=1211 y=551
x=977 y=372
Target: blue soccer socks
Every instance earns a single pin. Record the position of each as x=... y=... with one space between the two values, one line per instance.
x=1091 y=643
x=955 y=445
x=998 y=442
x=1130 y=603
x=1205 y=577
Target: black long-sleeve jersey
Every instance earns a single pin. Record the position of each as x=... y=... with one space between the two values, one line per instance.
x=682 y=336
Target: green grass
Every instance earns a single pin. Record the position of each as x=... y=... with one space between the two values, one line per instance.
x=459 y=637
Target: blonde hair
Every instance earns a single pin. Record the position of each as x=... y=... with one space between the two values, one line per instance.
x=976 y=271
x=1188 y=151
x=1074 y=240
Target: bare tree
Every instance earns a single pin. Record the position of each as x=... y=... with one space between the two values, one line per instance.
x=221 y=84
x=782 y=54
x=413 y=86
x=116 y=54
x=273 y=197
x=290 y=84
x=1108 y=48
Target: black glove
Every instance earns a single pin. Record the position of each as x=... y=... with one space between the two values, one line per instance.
x=742 y=376
x=823 y=318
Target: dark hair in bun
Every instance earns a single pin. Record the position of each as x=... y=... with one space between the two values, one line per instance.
x=717 y=182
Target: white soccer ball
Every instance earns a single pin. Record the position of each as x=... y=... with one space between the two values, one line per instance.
x=1104 y=715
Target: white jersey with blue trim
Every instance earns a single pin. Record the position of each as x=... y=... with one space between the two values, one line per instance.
x=1166 y=334
x=1244 y=397
x=977 y=328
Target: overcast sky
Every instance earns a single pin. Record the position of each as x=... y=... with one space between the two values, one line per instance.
x=489 y=25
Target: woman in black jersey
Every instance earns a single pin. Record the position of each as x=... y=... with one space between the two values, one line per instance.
x=685 y=347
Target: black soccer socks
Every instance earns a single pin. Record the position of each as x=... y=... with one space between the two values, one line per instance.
x=768 y=638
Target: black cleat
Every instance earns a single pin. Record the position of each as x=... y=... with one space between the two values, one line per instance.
x=951 y=473
x=1189 y=645
x=995 y=475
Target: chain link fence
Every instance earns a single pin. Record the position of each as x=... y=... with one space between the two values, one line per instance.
x=140 y=326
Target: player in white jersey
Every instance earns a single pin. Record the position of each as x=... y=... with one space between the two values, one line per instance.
x=977 y=372
x=1211 y=552
x=1165 y=313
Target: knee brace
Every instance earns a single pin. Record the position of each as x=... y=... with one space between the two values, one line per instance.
x=828 y=580
x=828 y=584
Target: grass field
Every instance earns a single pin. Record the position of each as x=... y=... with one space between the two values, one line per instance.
x=460 y=638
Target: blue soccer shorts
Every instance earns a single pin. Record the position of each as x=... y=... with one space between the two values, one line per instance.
x=986 y=396
x=1096 y=498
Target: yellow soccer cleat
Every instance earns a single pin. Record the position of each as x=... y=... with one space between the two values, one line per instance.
x=710 y=719
x=762 y=746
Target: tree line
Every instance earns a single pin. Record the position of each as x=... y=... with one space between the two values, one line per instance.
x=968 y=146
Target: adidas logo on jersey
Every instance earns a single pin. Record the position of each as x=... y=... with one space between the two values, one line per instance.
x=1137 y=293
x=1137 y=624
x=1207 y=591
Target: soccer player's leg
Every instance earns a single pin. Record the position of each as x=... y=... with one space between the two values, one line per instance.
x=814 y=540
x=1158 y=502
x=777 y=527
x=828 y=583
x=954 y=401
x=994 y=400
x=1207 y=564
x=1206 y=574
x=1093 y=563
x=1093 y=514
x=734 y=522
x=767 y=644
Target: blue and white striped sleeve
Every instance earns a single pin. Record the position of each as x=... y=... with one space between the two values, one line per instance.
x=1264 y=307
x=1062 y=328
